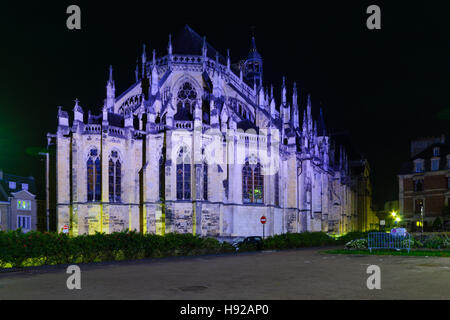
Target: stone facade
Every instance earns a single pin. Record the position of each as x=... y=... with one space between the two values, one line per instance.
x=199 y=145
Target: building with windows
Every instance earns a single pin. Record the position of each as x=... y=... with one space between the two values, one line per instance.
x=198 y=144
x=424 y=183
x=18 y=207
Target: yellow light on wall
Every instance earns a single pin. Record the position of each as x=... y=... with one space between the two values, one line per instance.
x=394 y=214
x=397 y=219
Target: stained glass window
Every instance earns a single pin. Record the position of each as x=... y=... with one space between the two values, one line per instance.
x=252 y=183
x=183 y=177
x=94 y=176
x=115 y=177
x=186 y=97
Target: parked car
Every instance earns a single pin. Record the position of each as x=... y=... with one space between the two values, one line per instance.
x=255 y=240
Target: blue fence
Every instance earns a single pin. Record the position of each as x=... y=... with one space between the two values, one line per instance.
x=381 y=240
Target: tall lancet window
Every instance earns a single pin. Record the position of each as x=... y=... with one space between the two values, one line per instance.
x=205 y=180
x=161 y=178
x=186 y=97
x=94 y=176
x=115 y=177
x=183 y=176
x=252 y=183
x=277 y=189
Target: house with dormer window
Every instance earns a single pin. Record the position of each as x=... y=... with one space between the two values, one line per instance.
x=18 y=205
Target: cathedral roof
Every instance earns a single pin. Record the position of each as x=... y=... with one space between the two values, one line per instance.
x=187 y=41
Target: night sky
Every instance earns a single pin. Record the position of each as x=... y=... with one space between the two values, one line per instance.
x=384 y=87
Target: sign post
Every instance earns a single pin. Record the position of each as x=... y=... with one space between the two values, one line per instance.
x=66 y=229
x=263 y=222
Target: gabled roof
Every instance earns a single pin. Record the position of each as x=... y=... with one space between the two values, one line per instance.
x=6 y=191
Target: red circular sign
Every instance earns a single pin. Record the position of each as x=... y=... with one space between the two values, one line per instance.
x=263 y=220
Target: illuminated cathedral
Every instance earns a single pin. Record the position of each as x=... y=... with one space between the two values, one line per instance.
x=199 y=144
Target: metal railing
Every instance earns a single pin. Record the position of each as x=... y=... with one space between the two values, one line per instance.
x=381 y=240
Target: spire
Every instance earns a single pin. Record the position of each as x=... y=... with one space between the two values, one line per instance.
x=169 y=47
x=144 y=55
x=110 y=80
x=204 y=51
x=283 y=92
x=228 y=59
x=154 y=84
x=294 y=95
x=204 y=47
x=136 y=72
x=309 y=119
x=110 y=91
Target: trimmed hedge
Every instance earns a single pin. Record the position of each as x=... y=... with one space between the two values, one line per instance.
x=34 y=248
x=298 y=240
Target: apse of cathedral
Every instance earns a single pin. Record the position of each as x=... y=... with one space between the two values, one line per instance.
x=199 y=144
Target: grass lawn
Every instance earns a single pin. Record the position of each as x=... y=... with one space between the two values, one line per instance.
x=412 y=253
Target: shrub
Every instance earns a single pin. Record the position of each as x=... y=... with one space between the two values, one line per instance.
x=298 y=240
x=437 y=242
x=357 y=244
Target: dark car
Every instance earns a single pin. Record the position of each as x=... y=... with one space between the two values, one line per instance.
x=254 y=240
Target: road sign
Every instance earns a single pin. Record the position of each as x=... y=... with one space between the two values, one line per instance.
x=66 y=229
x=263 y=220
x=382 y=222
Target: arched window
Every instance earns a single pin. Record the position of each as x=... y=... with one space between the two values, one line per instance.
x=186 y=97
x=94 y=176
x=252 y=183
x=205 y=181
x=115 y=177
x=183 y=176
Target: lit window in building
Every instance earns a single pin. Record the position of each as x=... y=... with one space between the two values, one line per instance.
x=93 y=176
x=434 y=164
x=252 y=184
x=115 y=177
x=183 y=176
x=24 y=205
